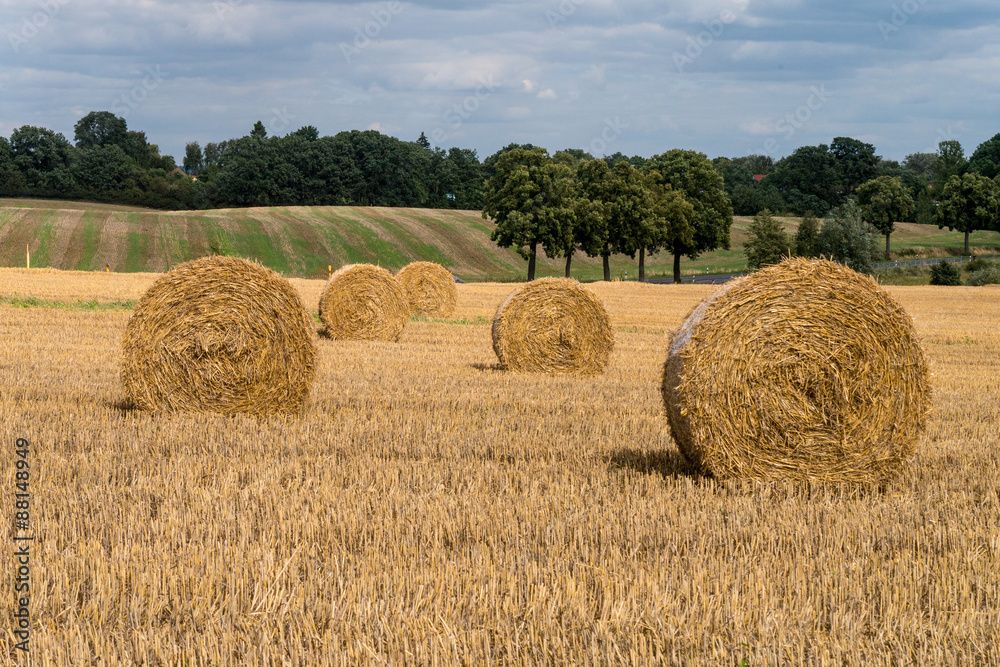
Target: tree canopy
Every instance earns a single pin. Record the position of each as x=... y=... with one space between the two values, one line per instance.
x=767 y=243
x=969 y=203
x=985 y=161
x=692 y=174
x=100 y=128
x=883 y=201
x=530 y=199
x=848 y=239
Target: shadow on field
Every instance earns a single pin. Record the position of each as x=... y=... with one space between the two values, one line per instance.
x=668 y=463
x=122 y=405
x=488 y=367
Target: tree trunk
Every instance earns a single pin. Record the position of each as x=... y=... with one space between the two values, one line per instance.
x=967 y=243
x=642 y=265
x=531 y=262
x=677 y=267
x=607 y=268
x=887 y=251
x=569 y=261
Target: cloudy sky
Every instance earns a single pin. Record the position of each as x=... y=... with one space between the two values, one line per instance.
x=725 y=77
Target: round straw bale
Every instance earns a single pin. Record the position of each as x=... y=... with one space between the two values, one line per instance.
x=430 y=289
x=553 y=325
x=363 y=302
x=219 y=334
x=805 y=371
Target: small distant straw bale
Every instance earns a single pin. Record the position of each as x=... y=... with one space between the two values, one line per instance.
x=363 y=302
x=553 y=325
x=805 y=371
x=219 y=334
x=430 y=289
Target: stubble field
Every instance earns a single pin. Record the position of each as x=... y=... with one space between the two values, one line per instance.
x=429 y=509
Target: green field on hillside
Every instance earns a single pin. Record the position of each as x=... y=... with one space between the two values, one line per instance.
x=305 y=241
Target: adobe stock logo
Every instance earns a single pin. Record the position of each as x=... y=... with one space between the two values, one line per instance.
x=138 y=93
x=31 y=25
x=796 y=120
x=900 y=16
x=363 y=35
x=566 y=9
x=713 y=30
x=461 y=111
x=612 y=130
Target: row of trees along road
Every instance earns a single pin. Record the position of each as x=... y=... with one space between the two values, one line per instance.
x=675 y=202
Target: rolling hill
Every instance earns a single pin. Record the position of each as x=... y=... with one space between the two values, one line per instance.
x=304 y=241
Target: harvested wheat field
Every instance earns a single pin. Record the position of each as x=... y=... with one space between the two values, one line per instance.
x=427 y=508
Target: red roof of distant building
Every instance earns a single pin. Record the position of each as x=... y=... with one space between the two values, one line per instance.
x=759 y=177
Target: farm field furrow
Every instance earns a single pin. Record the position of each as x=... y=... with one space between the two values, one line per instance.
x=303 y=241
x=427 y=508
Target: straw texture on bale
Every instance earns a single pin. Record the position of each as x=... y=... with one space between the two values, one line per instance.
x=553 y=325
x=430 y=289
x=219 y=334
x=363 y=302
x=804 y=371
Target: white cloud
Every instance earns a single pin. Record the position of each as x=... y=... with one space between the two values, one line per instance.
x=608 y=58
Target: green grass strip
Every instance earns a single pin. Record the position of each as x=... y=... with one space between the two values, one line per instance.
x=34 y=302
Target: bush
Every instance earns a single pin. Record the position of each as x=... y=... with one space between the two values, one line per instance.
x=846 y=238
x=986 y=276
x=807 y=236
x=977 y=265
x=945 y=273
x=767 y=243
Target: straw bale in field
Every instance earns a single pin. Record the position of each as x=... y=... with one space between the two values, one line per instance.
x=430 y=289
x=553 y=325
x=805 y=370
x=363 y=302
x=219 y=334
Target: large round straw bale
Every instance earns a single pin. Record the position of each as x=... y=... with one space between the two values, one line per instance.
x=430 y=289
x=804 y=371
x=219 y=334
x=553 y=325
x=363 y=302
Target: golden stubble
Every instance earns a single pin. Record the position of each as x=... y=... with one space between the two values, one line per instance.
x=427 y=508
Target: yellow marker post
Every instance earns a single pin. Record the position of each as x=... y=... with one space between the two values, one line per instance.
x=329 y=270
x=27 y=254
x=107 y=268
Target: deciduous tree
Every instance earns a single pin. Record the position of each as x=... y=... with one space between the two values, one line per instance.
x=807 y=236
x=692 y=174
x=591 y=211
x=950 y=162
x=856 y=162
x=193 y=158
x=767 y=243
x=672 y=218
x=968 y=203
x=100 y=128
x=530 y=199
x=986 y=158
x=848 y=239
x=883 y=201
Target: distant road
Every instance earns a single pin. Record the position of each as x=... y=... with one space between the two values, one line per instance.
x=719 y=278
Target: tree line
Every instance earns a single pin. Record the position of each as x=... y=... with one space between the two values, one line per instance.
x=110 y=163
x=680 y=202
x=569 y=202
x=616 y=204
